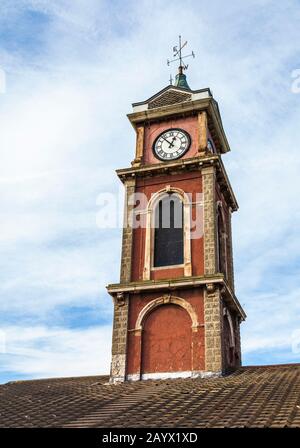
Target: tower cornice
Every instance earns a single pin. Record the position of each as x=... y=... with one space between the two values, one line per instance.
x=181 y=165
x=208 y=281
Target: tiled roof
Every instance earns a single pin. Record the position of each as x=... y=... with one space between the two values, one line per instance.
x=264 y=396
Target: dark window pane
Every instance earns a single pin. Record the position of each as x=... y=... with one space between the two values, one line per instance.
x=220 y=248
x=168 y=233
x=221 y=245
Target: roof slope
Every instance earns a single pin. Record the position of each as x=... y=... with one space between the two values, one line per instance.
x=264 y=396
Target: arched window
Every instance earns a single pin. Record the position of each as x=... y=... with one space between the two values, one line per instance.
x=221 y=243
x=229 y=340
x=168 y=241
x=168 y=232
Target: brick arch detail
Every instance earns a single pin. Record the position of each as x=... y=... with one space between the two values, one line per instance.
x=164 y=300
x=168 y=189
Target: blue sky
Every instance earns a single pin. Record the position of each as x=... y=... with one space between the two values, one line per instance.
x=72 y=71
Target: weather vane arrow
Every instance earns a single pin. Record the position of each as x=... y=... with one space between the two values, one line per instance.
x=177 y=51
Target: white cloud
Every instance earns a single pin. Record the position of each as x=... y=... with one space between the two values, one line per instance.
x=43 y=352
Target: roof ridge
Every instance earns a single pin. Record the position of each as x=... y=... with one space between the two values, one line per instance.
x=79 y=377
x=55 y=378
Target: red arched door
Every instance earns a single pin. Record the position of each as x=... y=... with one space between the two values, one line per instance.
x=167 y=340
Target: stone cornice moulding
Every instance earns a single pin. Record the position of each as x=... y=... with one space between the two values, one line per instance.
x=183 y=282
x=194 y=163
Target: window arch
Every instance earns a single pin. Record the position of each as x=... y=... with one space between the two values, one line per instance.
x=160 y=301
x=178 y=215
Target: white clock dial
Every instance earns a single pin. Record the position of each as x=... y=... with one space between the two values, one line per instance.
x=171 y=144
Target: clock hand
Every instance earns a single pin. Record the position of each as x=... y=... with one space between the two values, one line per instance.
x=170 y=143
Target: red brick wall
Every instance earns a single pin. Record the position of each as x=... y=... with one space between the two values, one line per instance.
x=188 y=124
x=189 y=182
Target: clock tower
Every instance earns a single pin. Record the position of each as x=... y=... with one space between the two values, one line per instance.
x=175 y=309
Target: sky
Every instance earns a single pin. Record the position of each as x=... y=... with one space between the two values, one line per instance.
x=69 y=71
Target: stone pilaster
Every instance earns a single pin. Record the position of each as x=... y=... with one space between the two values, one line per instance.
x=140 y=131
x=126 y=257
x=202 y=132
x=213 y=329
x=210 y=246
x=121 y=301
x=119 y=340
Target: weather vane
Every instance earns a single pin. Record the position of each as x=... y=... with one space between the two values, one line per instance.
x=177 y=54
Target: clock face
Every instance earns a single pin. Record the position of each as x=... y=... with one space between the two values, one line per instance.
x=171 y=144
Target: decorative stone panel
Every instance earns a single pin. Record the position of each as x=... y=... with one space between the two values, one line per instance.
x=118 y=363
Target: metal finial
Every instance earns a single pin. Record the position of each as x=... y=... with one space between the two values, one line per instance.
x=177 y=54
x=171 y=80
